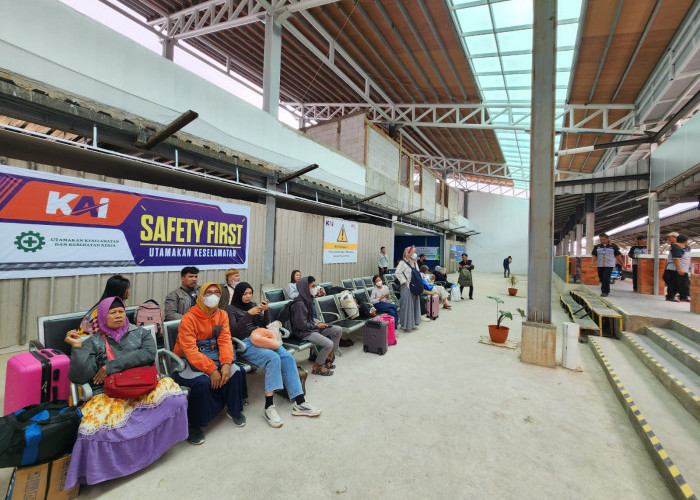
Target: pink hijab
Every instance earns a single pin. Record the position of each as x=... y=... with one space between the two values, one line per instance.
x=407 y=255
x=103 y=309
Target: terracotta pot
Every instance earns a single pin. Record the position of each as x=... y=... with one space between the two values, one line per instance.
x=498 y=334
x=512 y=291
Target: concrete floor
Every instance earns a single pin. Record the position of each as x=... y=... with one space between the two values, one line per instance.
x=439 y=416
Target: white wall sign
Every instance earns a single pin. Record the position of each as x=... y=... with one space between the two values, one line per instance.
x=339 y=241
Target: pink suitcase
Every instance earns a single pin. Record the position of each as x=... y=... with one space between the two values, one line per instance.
x=36 y=377
x=432 y=305
x=391 y=331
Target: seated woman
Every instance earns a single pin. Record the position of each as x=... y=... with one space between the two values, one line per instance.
x=215 y=381
x=290 y=289
x=381 y=299
x=432 y=288
x=245 y=317
x=116 y=286
x=120 y=436
x=440 y=277
x=305 y=327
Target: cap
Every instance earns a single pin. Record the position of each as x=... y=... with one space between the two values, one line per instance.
x=674 y=234
x=682 y=238
x=437 y=268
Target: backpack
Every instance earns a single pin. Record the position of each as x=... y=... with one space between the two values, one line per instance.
x=367 y=311
x=149 y=313
x=416 y=283
x=285 y=316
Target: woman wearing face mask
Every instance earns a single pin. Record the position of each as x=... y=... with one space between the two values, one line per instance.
x=409 y=304
x=215 y=381
x=381 y=299
x=305 y=327
x=280 y=367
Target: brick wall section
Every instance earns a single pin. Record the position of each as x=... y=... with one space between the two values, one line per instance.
x=346 y=135
x=695 y=293
x=589 y=271
x=645 y=276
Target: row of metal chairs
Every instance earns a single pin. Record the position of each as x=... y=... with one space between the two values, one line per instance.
x=277 y=294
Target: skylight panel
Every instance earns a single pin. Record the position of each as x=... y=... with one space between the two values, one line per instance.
x=486 y=64
x=566 y=35
x=491 y=81
x=568 y=9
x=520 y=95
x=519 y=80
x=481 y=44
x=495 y=95
x=512 y=13
x=565 y=59
x=474 y=18
x=512 y=41
x=517 y=63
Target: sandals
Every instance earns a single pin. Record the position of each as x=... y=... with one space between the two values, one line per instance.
x=322 y=370
x=329 y=365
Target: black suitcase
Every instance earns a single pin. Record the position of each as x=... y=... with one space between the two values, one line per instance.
x=376 y=337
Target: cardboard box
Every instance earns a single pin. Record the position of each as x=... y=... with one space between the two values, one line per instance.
x=42 y=482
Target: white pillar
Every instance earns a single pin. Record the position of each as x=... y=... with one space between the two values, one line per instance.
x=579 y=237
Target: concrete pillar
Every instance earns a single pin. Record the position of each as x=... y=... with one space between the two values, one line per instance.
x=579 y=237
x=565 y=248
x=168 y=48
x=272 y=65
x=589 y=205
x=538 y=334
x=572 y=242
x=269 y=248
x=654 y=236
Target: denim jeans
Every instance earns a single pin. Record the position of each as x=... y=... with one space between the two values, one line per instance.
x=280 y=368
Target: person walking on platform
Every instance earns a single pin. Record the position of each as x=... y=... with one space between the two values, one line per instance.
x=179 y=301
x=465 y=275
x=603 y=257
x=639 y=249
x=382 y=262
x=506 y=266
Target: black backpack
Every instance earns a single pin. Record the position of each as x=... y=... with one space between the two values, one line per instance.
x=365 y=310
x=285 y=316
x=416 y=284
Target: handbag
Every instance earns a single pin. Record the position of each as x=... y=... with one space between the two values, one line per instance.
x=129 y=383
x=38 y=434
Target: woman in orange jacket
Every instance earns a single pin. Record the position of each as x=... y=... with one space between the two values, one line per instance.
x=215 y=381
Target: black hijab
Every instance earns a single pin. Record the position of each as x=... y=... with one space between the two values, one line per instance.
x=237 y=300
x=305 y=296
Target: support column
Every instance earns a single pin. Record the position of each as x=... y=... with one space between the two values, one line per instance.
x=590 y=221
x=538 y=334
x=270 y=223
x=579 y=237
x=572 y=242
x=654 y=236
x=168 y=48
x=272 y=65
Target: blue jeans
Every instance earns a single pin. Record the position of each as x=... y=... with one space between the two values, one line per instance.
x=280 y=368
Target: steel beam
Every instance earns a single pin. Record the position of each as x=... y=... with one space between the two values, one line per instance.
x=473 y=115
x=272 y=66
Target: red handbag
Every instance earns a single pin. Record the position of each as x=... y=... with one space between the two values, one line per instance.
x=132 y=382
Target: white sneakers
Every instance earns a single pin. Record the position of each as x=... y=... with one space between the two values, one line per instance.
x=303 y=410
x=272 y=417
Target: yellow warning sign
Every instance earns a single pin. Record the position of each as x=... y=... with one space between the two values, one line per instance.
x=342 y=237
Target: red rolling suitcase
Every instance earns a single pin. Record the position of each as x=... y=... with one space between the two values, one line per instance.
x=36 y=377
x=376 y=337
x=433 y=306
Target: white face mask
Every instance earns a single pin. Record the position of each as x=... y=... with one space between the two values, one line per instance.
x=313 y=291
x=414 y=255
x=211 y=300
x=379 y=283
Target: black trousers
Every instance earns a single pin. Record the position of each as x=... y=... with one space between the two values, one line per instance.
x=604 y=277
x=506 y=271
x=634 y=278
x=471 y=290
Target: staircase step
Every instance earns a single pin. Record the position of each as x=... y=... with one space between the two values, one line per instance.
x=653 y=406
x=682 y=348
x=680 y=380
x=687 y=331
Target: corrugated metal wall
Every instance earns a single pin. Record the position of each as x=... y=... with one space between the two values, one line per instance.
x=66 y=294
x=299 y=245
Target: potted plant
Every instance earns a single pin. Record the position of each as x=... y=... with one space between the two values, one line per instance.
x=499 y=333
x=512 y=280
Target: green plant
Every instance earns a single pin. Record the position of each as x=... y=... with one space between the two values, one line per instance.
x=513 y=280
x=501 y=314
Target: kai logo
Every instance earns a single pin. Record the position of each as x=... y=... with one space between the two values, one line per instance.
x=342 y=237
x=84 y=205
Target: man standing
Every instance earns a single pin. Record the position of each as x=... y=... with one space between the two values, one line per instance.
x=639 y=249
x=603 y=257
x=506 y=266
x=465 y=275
x=683 y=284
x=673 y=275
x=179 y=301
x=382 y=262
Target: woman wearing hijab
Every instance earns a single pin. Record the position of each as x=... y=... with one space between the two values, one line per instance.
x=215 y=381
x=409 y=304
x=116 y=286
x=245 y=317
x=304 y=327
x=117 y=436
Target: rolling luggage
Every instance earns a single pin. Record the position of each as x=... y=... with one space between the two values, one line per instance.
x=376 y=336
x=391 y=330
x=432 y=306
x=36 y=377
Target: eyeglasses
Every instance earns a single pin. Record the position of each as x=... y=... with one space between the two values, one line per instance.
x=212 y=292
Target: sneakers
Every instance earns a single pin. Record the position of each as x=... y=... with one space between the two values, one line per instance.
x=239 y=420
x=196 y=435
x=305 y=410
x=272 y=417
x=603 y=294
x=672 y=300
x=685 y=300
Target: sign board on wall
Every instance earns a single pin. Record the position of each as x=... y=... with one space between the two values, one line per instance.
x=456 y=252
x=53 y=225
x=431 y=253
x=339 y=241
